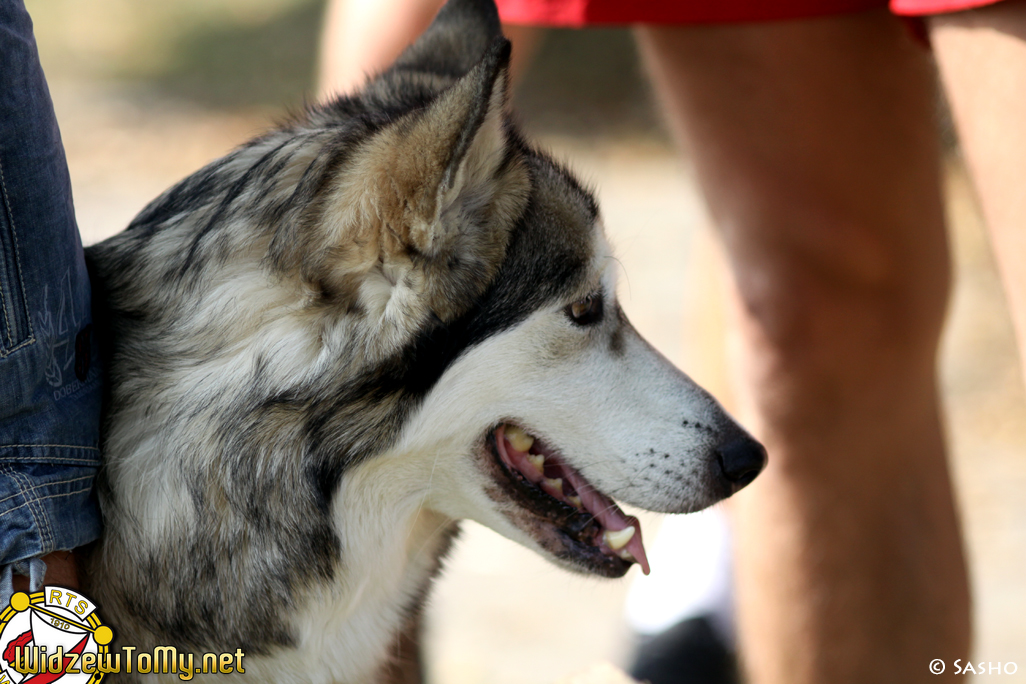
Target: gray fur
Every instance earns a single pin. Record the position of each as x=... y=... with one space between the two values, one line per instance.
x=261 y=474
x=255 y=363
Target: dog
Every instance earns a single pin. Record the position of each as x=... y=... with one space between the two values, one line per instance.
x=328 y=347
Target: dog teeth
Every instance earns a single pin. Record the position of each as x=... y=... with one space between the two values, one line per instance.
x=626 y=555
x=538 y=461
x=520 y=440
x=555 y=484
x=575 y=501
x=618 y=539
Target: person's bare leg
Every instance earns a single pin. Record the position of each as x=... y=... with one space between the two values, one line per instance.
x=361 y=38
x=982 y=57
x=814 y=143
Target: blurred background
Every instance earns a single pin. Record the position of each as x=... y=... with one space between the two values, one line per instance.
x=147 y=92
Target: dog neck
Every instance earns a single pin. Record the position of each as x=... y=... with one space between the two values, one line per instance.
x=361 y=627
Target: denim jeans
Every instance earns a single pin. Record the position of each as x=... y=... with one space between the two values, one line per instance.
x=50 y=375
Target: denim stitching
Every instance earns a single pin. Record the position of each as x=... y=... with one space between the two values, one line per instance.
x=3 y=302
x=44 y=498
x=43 y=460
x=45 y=484
x=17 y=263
x=62 y=446
x=35 y=509
x=27 y=342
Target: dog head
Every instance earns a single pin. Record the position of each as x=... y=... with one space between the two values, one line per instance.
x=395 y=285
x=546 y=403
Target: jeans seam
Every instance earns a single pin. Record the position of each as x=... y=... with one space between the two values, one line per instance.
x=61 y=446
x=44 y=498
x=47 y=460
x=35 y=509
x=26 y=490
x=21 y=281
x=3 y=300
x=25 y=343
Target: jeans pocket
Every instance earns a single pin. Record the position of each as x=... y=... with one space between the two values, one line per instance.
x=15 y=325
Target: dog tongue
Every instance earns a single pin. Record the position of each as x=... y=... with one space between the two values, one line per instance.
x=605 y=511
x=609 y=515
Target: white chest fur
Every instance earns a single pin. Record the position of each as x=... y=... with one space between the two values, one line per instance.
x=346 y=631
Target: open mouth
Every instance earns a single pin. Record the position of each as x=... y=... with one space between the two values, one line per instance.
x=565 y=513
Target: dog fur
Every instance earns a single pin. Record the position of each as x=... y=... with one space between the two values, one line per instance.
x=312 y=342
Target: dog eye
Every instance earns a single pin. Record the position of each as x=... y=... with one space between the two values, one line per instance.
x=587 y=311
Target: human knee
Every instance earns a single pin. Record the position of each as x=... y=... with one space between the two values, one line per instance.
x=844 y=299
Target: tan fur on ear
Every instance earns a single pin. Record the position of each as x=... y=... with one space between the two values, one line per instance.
x=438 y=159
x=435 y=193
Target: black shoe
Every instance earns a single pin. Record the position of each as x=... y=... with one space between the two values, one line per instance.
x=690 y=652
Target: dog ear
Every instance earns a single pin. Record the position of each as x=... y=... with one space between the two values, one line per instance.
x=425 y=205
x=444 y=168
x=456 y=40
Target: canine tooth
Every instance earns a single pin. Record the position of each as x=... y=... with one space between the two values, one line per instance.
x=575 y=500
x=618 y=539
x=520 y=440
x=538 y=461
x=556 y=484
x=626 y=555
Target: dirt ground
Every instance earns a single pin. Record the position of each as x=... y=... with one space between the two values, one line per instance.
x=146 y=94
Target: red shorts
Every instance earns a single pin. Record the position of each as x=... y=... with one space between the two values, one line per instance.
x=588 y=12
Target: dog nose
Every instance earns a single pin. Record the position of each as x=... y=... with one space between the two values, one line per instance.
x=740 y=460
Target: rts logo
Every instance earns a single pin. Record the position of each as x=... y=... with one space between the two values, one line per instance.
x=52 y=635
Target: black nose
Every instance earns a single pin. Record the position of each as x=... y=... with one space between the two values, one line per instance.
x=740 y=461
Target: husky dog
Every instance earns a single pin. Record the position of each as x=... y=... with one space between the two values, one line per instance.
x=334 y=343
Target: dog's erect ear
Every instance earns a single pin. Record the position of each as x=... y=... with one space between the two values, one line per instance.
x=429 y=201
x=460 y=35
x=468 y=118
x=440 y=169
